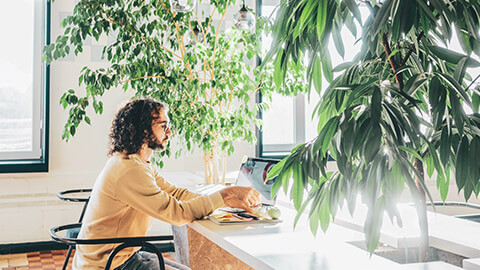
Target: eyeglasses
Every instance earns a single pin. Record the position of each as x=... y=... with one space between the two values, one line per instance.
x=166 y=123
x=166 y=127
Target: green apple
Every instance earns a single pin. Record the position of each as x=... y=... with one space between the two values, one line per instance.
x=274 y=213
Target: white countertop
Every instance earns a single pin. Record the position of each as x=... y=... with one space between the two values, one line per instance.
x=279 y=246
x=264 y=246
x=448 y=233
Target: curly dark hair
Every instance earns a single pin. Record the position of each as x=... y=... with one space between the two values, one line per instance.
x=132 y=126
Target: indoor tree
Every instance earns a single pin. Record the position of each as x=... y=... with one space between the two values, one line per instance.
x=183 y=59
x=406 y=104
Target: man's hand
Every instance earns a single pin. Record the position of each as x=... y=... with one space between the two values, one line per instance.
x=240 y=197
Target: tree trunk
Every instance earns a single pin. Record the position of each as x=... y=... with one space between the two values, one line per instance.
x=214 y=160
x=207 y=157
x=422 y=213
x=212 y=170
x=224 y=167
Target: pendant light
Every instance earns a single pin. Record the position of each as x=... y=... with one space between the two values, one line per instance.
x=244 y=19
x=182 y=5
x=193 y=34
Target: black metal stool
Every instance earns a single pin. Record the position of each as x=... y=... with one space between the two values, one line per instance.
x=124 y=241
x=68 y=195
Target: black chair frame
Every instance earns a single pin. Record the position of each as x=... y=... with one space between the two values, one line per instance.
x=124 y=242
x=66 y=196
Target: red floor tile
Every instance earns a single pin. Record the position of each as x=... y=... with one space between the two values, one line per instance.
x=52 y=260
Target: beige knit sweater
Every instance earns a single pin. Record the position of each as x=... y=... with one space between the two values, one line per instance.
x=127 y=194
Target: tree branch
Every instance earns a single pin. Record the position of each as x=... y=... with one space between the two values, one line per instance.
x=144 y=77
x=398 y=77
x=420 y=36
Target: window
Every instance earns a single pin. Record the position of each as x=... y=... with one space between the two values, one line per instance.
x=289 y=121
x=23 y=86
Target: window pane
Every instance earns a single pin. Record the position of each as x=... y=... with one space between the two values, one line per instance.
x=22 y=80
x=16 y=76
x=278 y=124
x=311 y=121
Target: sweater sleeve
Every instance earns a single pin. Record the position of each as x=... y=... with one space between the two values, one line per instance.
x=138 y=188
x=182 y=194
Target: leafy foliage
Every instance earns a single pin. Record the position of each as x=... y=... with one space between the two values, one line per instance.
x=405 y=101
x=207 y=84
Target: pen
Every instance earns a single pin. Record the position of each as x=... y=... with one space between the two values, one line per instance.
x=243 y=214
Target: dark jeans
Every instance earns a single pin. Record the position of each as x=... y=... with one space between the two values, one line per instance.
x=141 y=260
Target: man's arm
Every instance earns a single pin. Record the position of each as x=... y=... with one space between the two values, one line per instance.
x=181 y=194
x=235 y=197
x=138 y=188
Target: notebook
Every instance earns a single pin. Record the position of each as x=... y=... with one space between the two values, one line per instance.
x=253 y=173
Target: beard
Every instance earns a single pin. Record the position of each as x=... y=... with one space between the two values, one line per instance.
x=155 y=144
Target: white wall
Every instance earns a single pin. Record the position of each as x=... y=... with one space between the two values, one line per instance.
x=28 y=205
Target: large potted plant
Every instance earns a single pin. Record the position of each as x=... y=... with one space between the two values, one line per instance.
x=183 y=59
x=405 y=105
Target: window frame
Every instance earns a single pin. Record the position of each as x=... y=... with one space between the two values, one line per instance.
x=19 y=164
x=299 y=122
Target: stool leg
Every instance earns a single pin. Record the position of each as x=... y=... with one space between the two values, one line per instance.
x=67 y=257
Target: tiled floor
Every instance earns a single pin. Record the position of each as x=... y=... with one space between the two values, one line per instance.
x=45 y=260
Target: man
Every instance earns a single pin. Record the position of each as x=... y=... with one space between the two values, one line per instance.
x=129 y=191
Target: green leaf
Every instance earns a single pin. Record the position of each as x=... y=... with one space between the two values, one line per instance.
x=354 y=9
x=460 y=70
x=306 y=12
x=372 y=145
x=321 y=18
x=286 y=179
x=433 y=153
x=461 y=165
x=327 y=66
x=434 y=92
x=276 y=185
x=297 y=189
x=324 y=213
x=312 y=193
x=317 y=75
x=445 y=144
x=382 y=15
x=426 y=10
x=337 y=40
x=343 y=66
x=373 y=223
x=376 y=108
x=276 y=169
x=72 y=130
x=474 y=161
x=458 y=88
x=411 y=151
x=457 y=112
x=475 y=102
x=277 y=72
x=452 y=57
x=330 y=130
x=430 y=166
x=313 y=221
x=443 y=186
